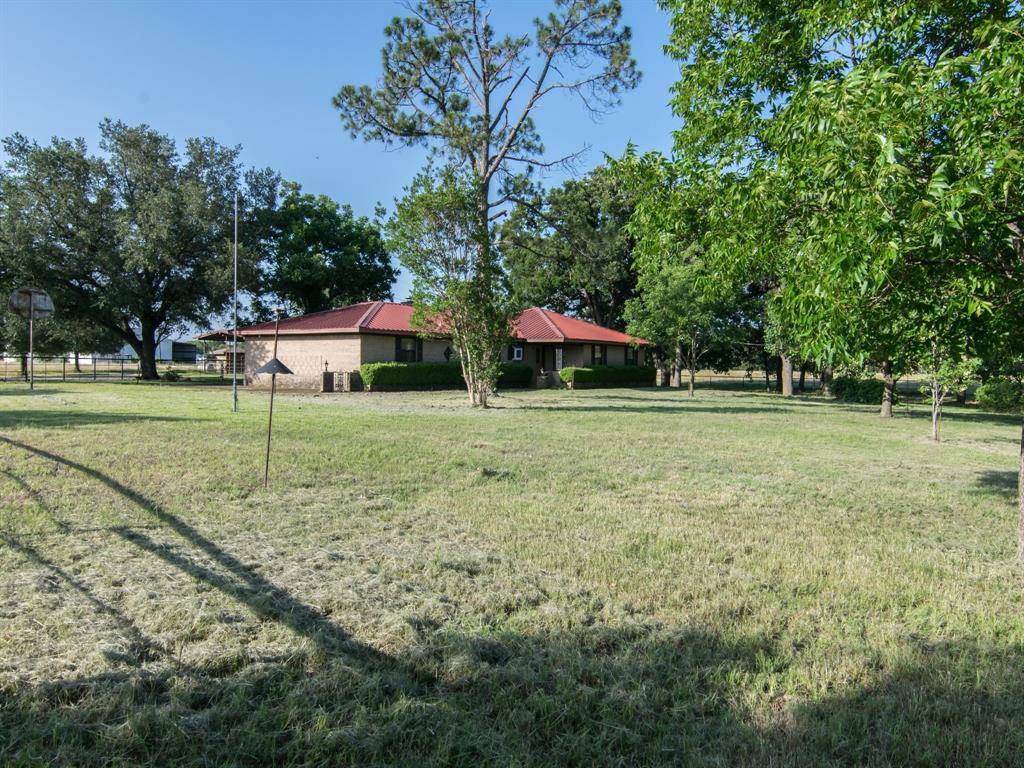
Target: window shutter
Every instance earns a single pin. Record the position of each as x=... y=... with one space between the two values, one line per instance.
x=398 y=349
x=419 y=350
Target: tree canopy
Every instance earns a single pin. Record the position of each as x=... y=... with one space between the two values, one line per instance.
x=451 y=82
x=323 y=256
x=135 y=241
x=569 y=249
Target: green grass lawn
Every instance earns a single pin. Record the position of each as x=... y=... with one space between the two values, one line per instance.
x=570 y=578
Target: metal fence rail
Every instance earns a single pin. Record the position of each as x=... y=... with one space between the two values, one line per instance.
x=112 y=368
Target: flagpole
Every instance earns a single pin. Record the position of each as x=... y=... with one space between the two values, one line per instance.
x=234 y=311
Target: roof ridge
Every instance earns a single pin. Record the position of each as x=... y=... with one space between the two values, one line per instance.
x=583 y=320
x=550 y=322
x=369 y=314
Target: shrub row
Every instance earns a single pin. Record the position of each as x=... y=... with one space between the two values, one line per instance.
x=855 y=390
x=609 y=376
x=1004 y=395
x=397 y=376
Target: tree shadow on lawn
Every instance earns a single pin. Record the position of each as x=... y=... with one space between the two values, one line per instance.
x=999 y=483
x=47 y=419
x=584 y=692
x=265 y=598
x=584 y=697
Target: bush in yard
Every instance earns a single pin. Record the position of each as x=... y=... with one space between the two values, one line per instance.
x=397 y=376
x=855 y=390
x=171 y=375
x=515 y=375
x=608 y=376
x=1004 y=395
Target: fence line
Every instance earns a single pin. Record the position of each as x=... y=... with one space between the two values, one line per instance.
x=102 y=368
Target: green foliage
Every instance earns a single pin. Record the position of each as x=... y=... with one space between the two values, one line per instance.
x=608 y=376
x=385 y=376
x=569 y=249
x=323 y=255
x=170 y=375
x=137 y=241
x=398 y=376
x=1005 y=395
x=452 y=83
x=436 y=234
x=862 y=161
x=854 y=389
x=679 y=305
x=515 y=375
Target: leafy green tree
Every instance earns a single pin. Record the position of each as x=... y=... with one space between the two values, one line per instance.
x=886 y=140
x=323 y=256
x=135 y=241
x=569 y=249
x=452 y=83
x=678 y=305
x=435 y=234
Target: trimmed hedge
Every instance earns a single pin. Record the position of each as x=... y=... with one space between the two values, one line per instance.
x=609 y=376
x=1004 y=395
x=854 y=390
x=382 y=377
x=516 y=375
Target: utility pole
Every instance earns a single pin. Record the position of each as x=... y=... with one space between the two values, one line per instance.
x=234 y=311
x=31 y=329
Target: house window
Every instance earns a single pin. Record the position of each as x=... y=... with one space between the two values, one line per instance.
x=598 y=354
x=515 y=353
x=408 y=349
x=632 y=356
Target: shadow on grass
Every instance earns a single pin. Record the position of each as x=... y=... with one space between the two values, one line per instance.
x=141 y=648
x=242 y=582
x=593 y=696
x=996 y=482
x=578 y=694
x=48 y=419
x=10 y=389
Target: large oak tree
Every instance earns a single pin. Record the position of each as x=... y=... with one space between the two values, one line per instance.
x=135 y=240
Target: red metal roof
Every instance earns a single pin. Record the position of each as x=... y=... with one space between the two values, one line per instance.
x=531 y=325
x=542 y=325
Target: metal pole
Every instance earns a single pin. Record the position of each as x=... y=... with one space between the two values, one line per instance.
x=270 y=419
x=31 y=323
x=270 y=423
x=234 y=347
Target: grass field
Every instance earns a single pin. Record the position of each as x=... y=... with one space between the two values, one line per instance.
x=570 y=578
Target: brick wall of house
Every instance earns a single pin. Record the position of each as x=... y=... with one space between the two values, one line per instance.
x=304 y=355
x=377 y=348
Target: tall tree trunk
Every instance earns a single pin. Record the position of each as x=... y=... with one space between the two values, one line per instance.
x=692 y=362
x=786 y=371
x=803 y=377
x=826 y=382
x=778 y=374
x=887 y=390
x=78 y=363
x=23 y=360
x=147 y=357
x=767 y=375
x=936 y=411
x=677 y=367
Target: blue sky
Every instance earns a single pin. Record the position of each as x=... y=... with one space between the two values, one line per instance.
x=262 y=75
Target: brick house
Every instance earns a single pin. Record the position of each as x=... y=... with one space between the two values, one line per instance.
x=380 y=331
